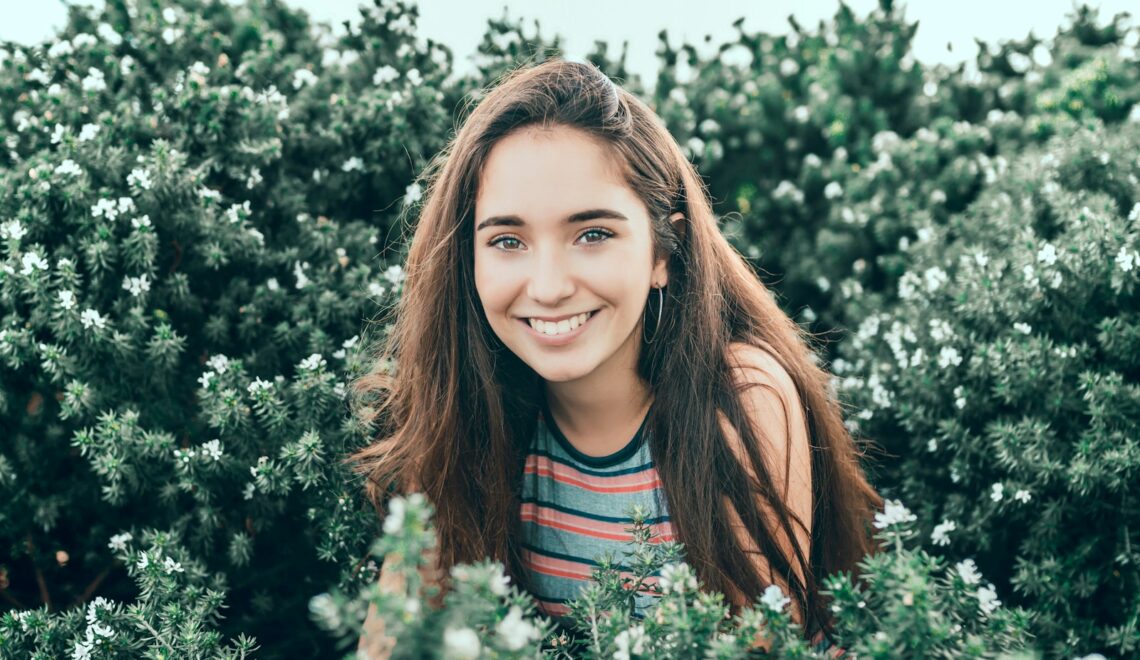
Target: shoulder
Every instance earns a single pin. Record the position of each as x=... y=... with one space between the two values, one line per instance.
x=753 y=365
x=773 y=408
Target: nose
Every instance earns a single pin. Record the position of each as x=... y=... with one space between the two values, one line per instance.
x=552 y=278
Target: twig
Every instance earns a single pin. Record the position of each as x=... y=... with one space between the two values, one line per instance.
x=90 y=590
x=45 y=596
x=142 y=622
x=12 y=599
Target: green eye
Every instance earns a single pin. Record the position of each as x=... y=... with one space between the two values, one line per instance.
x=600 y=232
x=503 y=238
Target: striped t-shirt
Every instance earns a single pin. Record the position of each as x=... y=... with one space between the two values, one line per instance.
x=574 y=510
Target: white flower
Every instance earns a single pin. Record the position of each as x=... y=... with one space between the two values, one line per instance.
x=384 y=75
x=32 y=261
x=801 y=114
x=394 y=274
x=233 y=213
x=893 y=513
x=678 y=578
x=140 y=222
x=302 y=77
x=788 y=189
x=170 y=35
x=1125 y=260
x=932 y=445
x=169 y=15
x=119 y=541
x=57 y=134
x=213 y=448
x=353 y=163
x=414 y=77
x=949 y=355
x=208 y=193
x=695 y=145
x=299 y=273
x=12 y=229
x=60 y=49
x=90 y=317
x=997 y=492
x=514 y=631
x=629 y=642
x=144 y=560
x=499 y=582
x=259 y=385
x=959 y=400
x=1021 y=495
x=789 y=67
x=939 y=535
x=313 y=362
x=940 y=330
x=69 y=167
x=272 y=284
x=935 y=277
x=254 y=178
x=88 y=132
x=774 y=598
x=375 y=289
x=66 y=299
x=987 y=598
x=709 y=126
x=969 y=571
x=171 y=566
x=1048 y=254
x=94 y=81
x=394 y=521
x=137 y=285
x=108 y=34
x=139 y=177
x=247 y=493
x=1023 y=328
x=412 y=194
x=461 y=644
x=833 y=190
x=219 y=363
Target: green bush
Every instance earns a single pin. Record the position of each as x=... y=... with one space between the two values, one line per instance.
x=202 y=210
x=1002 y=377
x=914 y=605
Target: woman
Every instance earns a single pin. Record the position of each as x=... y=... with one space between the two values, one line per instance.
x=574 y=323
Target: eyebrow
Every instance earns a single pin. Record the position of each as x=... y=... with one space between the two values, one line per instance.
x=580 y=216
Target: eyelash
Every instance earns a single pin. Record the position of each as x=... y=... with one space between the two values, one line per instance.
x=505 y=237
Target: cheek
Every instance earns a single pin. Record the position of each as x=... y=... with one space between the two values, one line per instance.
x=491 y=289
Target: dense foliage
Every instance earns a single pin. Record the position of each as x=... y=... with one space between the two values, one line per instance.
x=203 y=206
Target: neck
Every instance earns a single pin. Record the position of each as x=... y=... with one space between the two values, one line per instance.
x=599 y=414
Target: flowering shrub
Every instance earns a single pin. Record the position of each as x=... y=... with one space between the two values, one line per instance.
x=193 y=197
x=1002 y=378
x=913 y=605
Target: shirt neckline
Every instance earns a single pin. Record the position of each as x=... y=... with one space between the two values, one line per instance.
x=608 y=460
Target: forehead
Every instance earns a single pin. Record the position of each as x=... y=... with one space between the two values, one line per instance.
x=544 y=171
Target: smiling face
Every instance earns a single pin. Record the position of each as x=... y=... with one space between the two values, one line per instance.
x=558 y=233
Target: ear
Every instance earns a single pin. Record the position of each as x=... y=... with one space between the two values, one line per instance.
x=660 y=276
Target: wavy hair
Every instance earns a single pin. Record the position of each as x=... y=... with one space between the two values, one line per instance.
x=458 y=409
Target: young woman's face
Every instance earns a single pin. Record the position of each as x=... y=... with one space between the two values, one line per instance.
x=559 y=234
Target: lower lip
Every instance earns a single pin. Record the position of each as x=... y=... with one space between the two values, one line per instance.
x=558 y=340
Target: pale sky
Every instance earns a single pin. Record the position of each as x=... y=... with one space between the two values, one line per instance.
x=461 y=23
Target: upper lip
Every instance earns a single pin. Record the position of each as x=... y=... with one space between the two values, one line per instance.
x=556 y=319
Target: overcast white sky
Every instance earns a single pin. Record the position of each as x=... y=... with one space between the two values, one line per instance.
x=460 y=23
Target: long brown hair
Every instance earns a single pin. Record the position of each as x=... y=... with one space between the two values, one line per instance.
x=459 y=408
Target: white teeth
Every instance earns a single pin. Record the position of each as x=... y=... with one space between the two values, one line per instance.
x=560 y=327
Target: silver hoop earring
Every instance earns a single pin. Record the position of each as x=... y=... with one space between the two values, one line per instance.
x=657 y=327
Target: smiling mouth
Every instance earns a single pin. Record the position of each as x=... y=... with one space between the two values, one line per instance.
x=558 y=328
